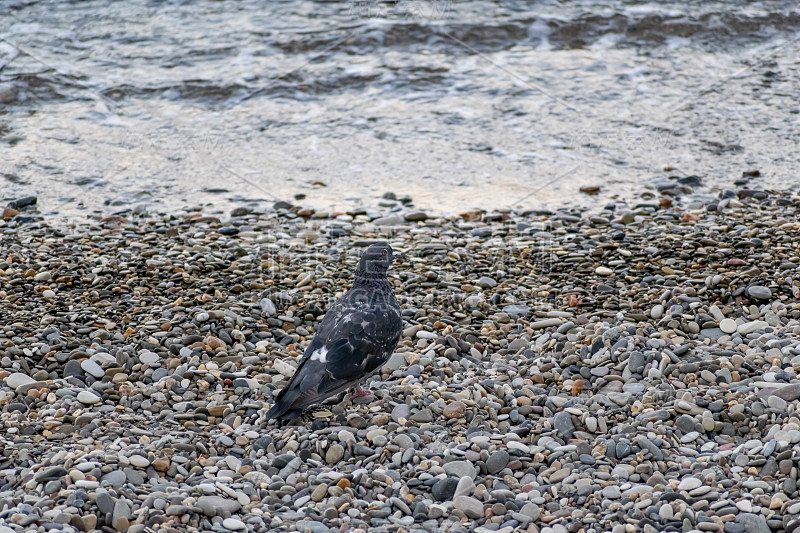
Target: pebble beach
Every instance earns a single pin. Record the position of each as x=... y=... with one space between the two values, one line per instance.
x=624 y=369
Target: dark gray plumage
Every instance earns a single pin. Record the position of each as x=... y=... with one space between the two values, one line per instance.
x=356 y=337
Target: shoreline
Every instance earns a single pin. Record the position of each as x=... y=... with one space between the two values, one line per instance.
x=634 y=368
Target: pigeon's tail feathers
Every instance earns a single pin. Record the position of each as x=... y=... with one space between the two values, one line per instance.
x=279 y=410
x=309 y=385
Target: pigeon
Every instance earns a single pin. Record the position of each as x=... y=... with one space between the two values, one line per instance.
x=357 y=335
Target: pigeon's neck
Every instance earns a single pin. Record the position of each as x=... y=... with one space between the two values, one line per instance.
x=373 y=280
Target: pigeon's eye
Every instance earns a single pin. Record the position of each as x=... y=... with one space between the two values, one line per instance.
x=383 y=252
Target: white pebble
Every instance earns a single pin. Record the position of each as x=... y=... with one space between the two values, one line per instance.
x=18 y=379
x=88 y=398
x=139 y=461
x=233 y=523
x=689 y=483
x=148 y=358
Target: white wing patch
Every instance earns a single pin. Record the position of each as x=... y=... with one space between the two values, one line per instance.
x=319 y=355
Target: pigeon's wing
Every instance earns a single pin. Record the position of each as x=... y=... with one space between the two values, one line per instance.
x=355 y=342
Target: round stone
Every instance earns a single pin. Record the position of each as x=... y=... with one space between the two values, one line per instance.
x=18 y=379
x=689 y=483
x=760 y=292
x=727 y=325
x=148 y=358
x=88 y=398
x=139 y=461
x=90 y=367
x=233 y=523
x=455 y=409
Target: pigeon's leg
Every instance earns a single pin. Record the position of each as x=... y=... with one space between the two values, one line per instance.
x=359 y=395
x=358 y=392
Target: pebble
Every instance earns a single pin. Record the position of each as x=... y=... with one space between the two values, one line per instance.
x=471 y=507
x=455 y=409
x=759 y=292
x=92 y=368
x=641 y=382
x=233 y=524
x=88 y=398
x=18 y=379
x=689 y=483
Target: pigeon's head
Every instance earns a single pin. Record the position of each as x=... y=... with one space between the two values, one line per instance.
x=376 y=260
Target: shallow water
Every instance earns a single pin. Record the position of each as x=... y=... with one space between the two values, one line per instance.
x=110 y=106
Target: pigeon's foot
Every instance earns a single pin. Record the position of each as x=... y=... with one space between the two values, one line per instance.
x=359 y=395
x=357 y=391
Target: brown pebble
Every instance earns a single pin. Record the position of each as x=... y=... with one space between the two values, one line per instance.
x=455 y=409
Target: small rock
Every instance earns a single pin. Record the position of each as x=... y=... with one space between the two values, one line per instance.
x=759 y=292
x=455 y=409
x=689 y=483
x=233 y=523
x=17 y=379
x=88 y=398
x=334 y=454
x=469 y=506
x=728 y=325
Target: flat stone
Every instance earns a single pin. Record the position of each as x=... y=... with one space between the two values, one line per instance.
x=611 y=492
x=460 y=469
x=517 y=311
x=469 y=506
x=559 y=475
x=104 y=502
x=455 y=409
x=401 y=410
x=50 y=474
x=753 y=523
x=334 y=454
x=444 y=489
x=750 y=327
x=531 y=510
x=18 y=379
x=790 y=393
x=88 y=398
x=545 y=323
x=395 y=362
x=115 y=478
x=139 y=461
x=148 y=358
x=90 y=367
x=562 y=421
x=465 y=487
x=759 y=292
x=120 y=517
x=689 y=483
x=217 y=506
x=728 y=325
x=73 y=368
x=319 y=492
x=233 y=523
x=497 y=461
x=636 y=362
